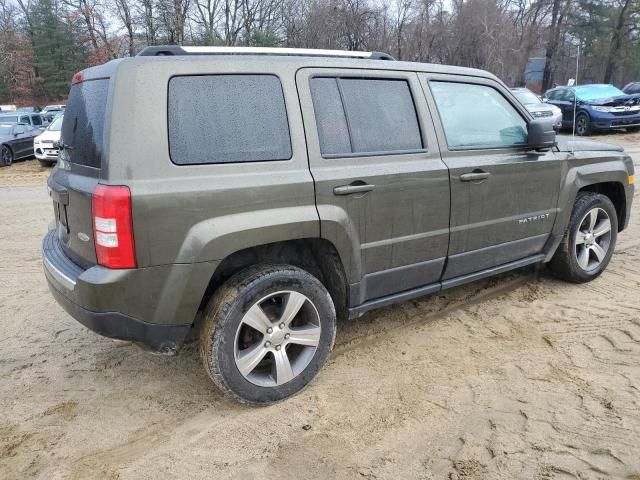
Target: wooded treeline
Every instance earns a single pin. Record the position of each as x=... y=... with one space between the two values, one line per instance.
x=43 y=42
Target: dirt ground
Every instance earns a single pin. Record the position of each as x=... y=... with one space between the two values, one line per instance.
x=516 y=377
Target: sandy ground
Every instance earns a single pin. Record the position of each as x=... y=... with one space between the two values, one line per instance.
x=516 y=377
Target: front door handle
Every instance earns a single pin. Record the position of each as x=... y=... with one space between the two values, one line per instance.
x=355 y=187
x=475 y=176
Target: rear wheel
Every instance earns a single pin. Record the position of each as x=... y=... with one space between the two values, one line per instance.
x=267 y=332
x=588 y=243
x=6 y=156
x=583 y=125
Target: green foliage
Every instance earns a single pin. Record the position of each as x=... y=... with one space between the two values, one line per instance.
x=263 y=39
x=57 y=52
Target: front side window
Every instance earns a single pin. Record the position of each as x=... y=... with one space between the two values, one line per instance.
x=365 y=116
x=37 y=120
x=226 y=119
x=477 y=116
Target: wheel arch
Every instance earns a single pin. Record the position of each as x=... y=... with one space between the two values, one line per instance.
x=606 y=176
x=317 y=256
x=616 y=193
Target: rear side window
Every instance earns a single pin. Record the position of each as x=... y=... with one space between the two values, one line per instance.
x=37 y=120
x=83 y=125
x=358 y=116
x=227 y=118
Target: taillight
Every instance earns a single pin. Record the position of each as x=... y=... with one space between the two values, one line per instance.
x=77 y=77
x=113 y=227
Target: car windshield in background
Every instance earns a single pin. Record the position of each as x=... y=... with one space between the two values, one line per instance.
x=84 y=122
x=526 y=97
x=5 y=130
x=56 y=125
x=596 y=92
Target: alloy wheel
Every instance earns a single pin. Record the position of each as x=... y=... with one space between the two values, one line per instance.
x=277 y=338
x=593 y=239
x=581 y=125
x=6 y=156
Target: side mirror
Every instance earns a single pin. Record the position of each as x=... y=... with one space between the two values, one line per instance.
x=541 y=135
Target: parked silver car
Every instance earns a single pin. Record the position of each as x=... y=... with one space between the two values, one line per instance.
x=537 y=107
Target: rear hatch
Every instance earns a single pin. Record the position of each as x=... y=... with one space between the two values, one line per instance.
x=73 y=180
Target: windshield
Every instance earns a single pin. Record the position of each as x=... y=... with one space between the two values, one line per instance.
x=56 y=125
x=596 y=92
x=5 y=130
x=526 y=97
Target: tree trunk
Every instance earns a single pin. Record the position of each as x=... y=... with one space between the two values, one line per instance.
x=552 y=44
x=616 y=42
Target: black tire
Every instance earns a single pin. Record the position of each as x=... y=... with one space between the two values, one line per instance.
x=221 y=330
x=6 y=156
x=46 y=163
x=564 y=263
x=583 y=125
x=633 y=129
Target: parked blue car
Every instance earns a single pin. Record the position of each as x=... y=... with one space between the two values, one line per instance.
x=597 y=107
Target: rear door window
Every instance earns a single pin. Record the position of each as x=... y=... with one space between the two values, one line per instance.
x=83 y=125
x=357 y=116
x=227 y=118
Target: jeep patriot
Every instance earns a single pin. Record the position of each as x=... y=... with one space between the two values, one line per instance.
x=253 y=197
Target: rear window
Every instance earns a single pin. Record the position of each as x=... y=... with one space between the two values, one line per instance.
x=358 y=116
x=227 y=118
x=83 y=125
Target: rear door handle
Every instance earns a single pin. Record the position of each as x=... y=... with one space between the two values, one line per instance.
x=475 y=176
x=355 y=187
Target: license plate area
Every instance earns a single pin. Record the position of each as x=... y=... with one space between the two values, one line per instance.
x=60 y=213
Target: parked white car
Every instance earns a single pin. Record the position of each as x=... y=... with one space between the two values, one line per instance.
x=537 y=107
x=44 y=145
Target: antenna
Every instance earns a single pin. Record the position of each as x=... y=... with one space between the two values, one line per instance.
x=575 y=103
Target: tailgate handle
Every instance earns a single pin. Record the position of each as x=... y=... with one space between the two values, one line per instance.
x=475 y=176
x=355 y=187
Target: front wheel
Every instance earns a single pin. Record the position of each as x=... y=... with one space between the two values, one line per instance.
x=583 y=125
x=6 y=156
x=267 y=332
x=588 y=243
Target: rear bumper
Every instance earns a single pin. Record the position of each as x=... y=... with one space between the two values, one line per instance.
x=154 y=306
x=160 y=338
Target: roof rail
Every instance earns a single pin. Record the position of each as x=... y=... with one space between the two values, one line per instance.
x=168 y=50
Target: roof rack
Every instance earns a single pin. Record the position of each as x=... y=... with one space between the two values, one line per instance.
x=169 y=50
